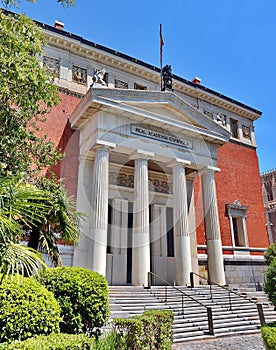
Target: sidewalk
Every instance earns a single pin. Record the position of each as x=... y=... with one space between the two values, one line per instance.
x=243 y=342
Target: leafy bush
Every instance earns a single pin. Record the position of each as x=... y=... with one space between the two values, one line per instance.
x=268 y=333
x=107 y=341
x=270 y=254
x=151 y=330
x=27 y=309
x=82 y=295
x=270 y=282
x=162 y=325
x=53 y=341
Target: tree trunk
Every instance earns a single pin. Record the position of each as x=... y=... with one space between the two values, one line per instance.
x=34 y=237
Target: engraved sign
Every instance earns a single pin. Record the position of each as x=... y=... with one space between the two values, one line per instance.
x=160 y=135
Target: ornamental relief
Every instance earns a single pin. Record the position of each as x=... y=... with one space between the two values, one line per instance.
x=119 y=84
x=246 y=132
x=51 y=65
x=79 y=75
x=221 y=119
x=127 y=180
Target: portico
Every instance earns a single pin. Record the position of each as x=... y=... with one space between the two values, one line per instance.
x=140 y=152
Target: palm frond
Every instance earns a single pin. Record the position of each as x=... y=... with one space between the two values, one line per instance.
x=17 y=258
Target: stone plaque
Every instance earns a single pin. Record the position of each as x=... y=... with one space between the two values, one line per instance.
x=160 y=135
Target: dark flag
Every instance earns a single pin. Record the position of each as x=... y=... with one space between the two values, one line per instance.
x=161 y=53
x=161 y=42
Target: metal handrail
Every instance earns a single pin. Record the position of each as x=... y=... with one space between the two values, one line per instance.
x=258 y=305
x=208 y=309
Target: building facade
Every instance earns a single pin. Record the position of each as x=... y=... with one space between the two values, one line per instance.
x=168 y=180
x=269 y=197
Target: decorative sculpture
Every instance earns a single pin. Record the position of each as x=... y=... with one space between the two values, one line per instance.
x=167 y=78
x=98 y=78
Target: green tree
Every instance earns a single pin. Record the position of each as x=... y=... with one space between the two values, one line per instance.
x=270 y=282
x=15 y=3
x=25 y=97
x=270 y=254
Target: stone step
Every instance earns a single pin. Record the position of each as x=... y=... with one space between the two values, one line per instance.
x=242 y=319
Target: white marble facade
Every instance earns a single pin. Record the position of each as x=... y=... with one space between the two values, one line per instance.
x=140 y=152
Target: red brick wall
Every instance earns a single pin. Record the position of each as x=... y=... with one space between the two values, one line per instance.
x=58 y=130
x=240 y=179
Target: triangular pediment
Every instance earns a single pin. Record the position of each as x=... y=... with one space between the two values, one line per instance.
x=162 y=109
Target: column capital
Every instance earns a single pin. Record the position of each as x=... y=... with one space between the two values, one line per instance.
x=179 y=161
x=104 y=144
x=141 y=154
x=210 y=168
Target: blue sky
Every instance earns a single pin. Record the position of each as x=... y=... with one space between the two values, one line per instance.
x=230 y=45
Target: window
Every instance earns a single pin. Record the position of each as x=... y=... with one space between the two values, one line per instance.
x=109 y=240
x=234 y=128
x=170 y=232
x=237 y=217
x=139 y=87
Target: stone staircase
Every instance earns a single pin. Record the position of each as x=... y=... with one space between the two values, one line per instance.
x=191 y=321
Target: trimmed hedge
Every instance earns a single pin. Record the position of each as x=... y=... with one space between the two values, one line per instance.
x=53 y=341
x=268 y=333
x=27 y=309
x=82 y=295
x=151 y=330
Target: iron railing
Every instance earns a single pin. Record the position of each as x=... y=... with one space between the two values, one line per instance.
x=229 y=291
x=208 y=309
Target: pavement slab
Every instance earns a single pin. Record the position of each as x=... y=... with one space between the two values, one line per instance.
x=243 y=342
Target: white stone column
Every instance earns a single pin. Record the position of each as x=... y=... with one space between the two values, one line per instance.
x=83 y=205
x=141 y=232
x=99 y=201
x=212 y=229
x=182 y=249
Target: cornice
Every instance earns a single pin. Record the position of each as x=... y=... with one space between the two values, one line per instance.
x=127 y=64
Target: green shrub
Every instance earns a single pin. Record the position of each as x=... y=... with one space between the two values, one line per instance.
x=27 y=309
x=268 y=333
x=129 y=333
x=151 y=330
x=270 y=254
x=270 y=282
x=107 y=341
x=162 y=325
x=82 y=295
x=53 y=341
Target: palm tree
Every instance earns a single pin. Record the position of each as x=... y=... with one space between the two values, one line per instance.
x=61 y=223
x=21 y=205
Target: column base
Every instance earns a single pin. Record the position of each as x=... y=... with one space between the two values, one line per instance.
x=183 y=265
x=140 y=259
x=215 y=261
x=98 y=252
